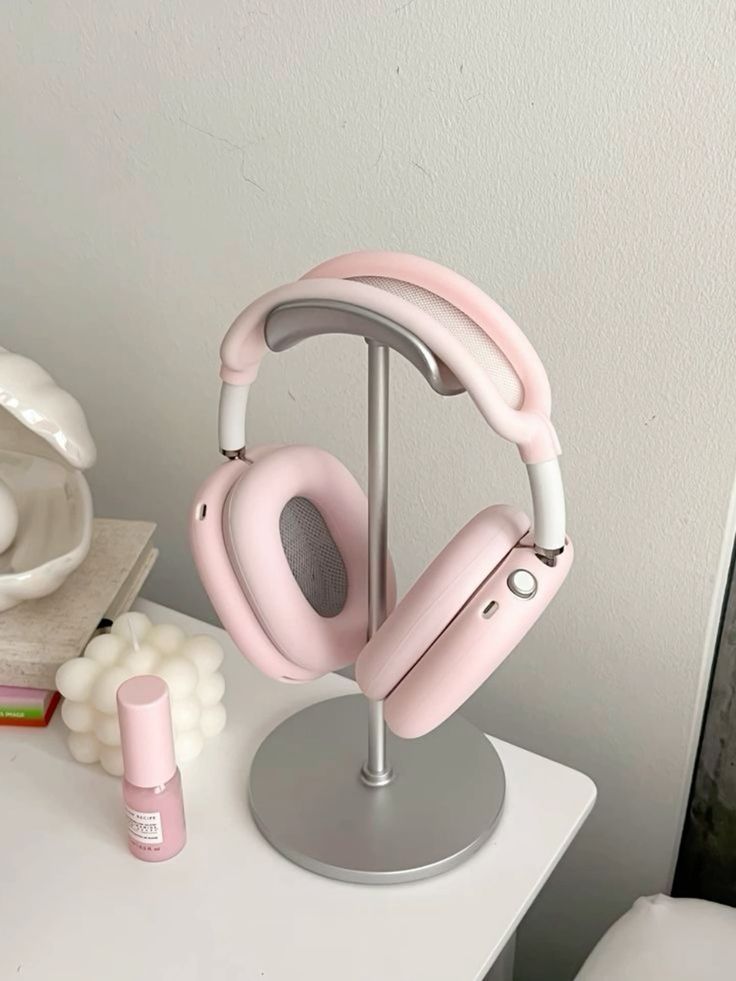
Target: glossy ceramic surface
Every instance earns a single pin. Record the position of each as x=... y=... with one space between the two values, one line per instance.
x=54 y=527
x=30 y=394
x=45 y=503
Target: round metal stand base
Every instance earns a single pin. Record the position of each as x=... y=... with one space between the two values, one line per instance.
x=309 y=802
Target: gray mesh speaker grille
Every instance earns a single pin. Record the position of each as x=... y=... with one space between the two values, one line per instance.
x=487 y=354
x=313 y=557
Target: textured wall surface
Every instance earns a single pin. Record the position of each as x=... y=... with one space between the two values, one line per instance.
x=162 y=164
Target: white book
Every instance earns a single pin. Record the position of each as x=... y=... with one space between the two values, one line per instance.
x=39 y=635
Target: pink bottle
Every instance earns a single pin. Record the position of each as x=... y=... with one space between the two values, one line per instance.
x=152 y=793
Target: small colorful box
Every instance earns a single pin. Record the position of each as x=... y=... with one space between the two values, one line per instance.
x=26 y=706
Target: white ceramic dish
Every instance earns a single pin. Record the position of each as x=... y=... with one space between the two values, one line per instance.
x=54 y=528
x=45 y=502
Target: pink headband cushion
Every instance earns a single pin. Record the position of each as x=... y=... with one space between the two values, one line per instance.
x=472 y=648
x=484 y=328
x=296 y=530
x=220 y=582
x=436 y=598
x=473 y=336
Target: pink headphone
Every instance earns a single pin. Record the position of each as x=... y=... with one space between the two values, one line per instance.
x=280 y=535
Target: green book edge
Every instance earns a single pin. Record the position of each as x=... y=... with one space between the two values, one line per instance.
x=20 y=712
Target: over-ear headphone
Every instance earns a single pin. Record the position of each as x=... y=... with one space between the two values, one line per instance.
x=279 y=534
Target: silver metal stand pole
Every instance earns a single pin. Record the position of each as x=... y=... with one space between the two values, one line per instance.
x=303 y=792
x=376 y=771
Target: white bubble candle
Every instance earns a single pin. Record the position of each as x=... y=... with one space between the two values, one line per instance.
x=189 y=666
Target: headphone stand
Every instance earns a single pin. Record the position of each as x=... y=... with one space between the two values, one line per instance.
x=313 y=792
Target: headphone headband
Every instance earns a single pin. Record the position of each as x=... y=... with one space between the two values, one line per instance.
x=528 y=426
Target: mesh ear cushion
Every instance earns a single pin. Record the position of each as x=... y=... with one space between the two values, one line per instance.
x=296 y=529
x=436 y=597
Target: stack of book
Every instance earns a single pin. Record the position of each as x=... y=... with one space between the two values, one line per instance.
x=37 y=636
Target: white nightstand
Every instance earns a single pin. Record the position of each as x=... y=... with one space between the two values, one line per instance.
x=76 y=906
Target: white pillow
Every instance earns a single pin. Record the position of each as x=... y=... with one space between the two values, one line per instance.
x=664 y=939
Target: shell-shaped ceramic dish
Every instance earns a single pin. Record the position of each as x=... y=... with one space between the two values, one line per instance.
x=45 y=504
x=54 y=526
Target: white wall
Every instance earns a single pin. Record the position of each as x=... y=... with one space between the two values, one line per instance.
x=162 y=164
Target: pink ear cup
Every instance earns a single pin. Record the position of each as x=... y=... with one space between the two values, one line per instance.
x=473 y=645
x=220 y=582
x=436 y=597
x=238 y=551
x=254 y=537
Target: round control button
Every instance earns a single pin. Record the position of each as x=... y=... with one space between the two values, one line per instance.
x=522 y=583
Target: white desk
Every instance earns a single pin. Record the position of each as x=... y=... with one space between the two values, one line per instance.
x=76 y=906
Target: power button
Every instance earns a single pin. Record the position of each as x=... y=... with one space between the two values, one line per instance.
x=522 y=584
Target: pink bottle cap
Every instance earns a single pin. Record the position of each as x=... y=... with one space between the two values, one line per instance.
x=146 y=736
